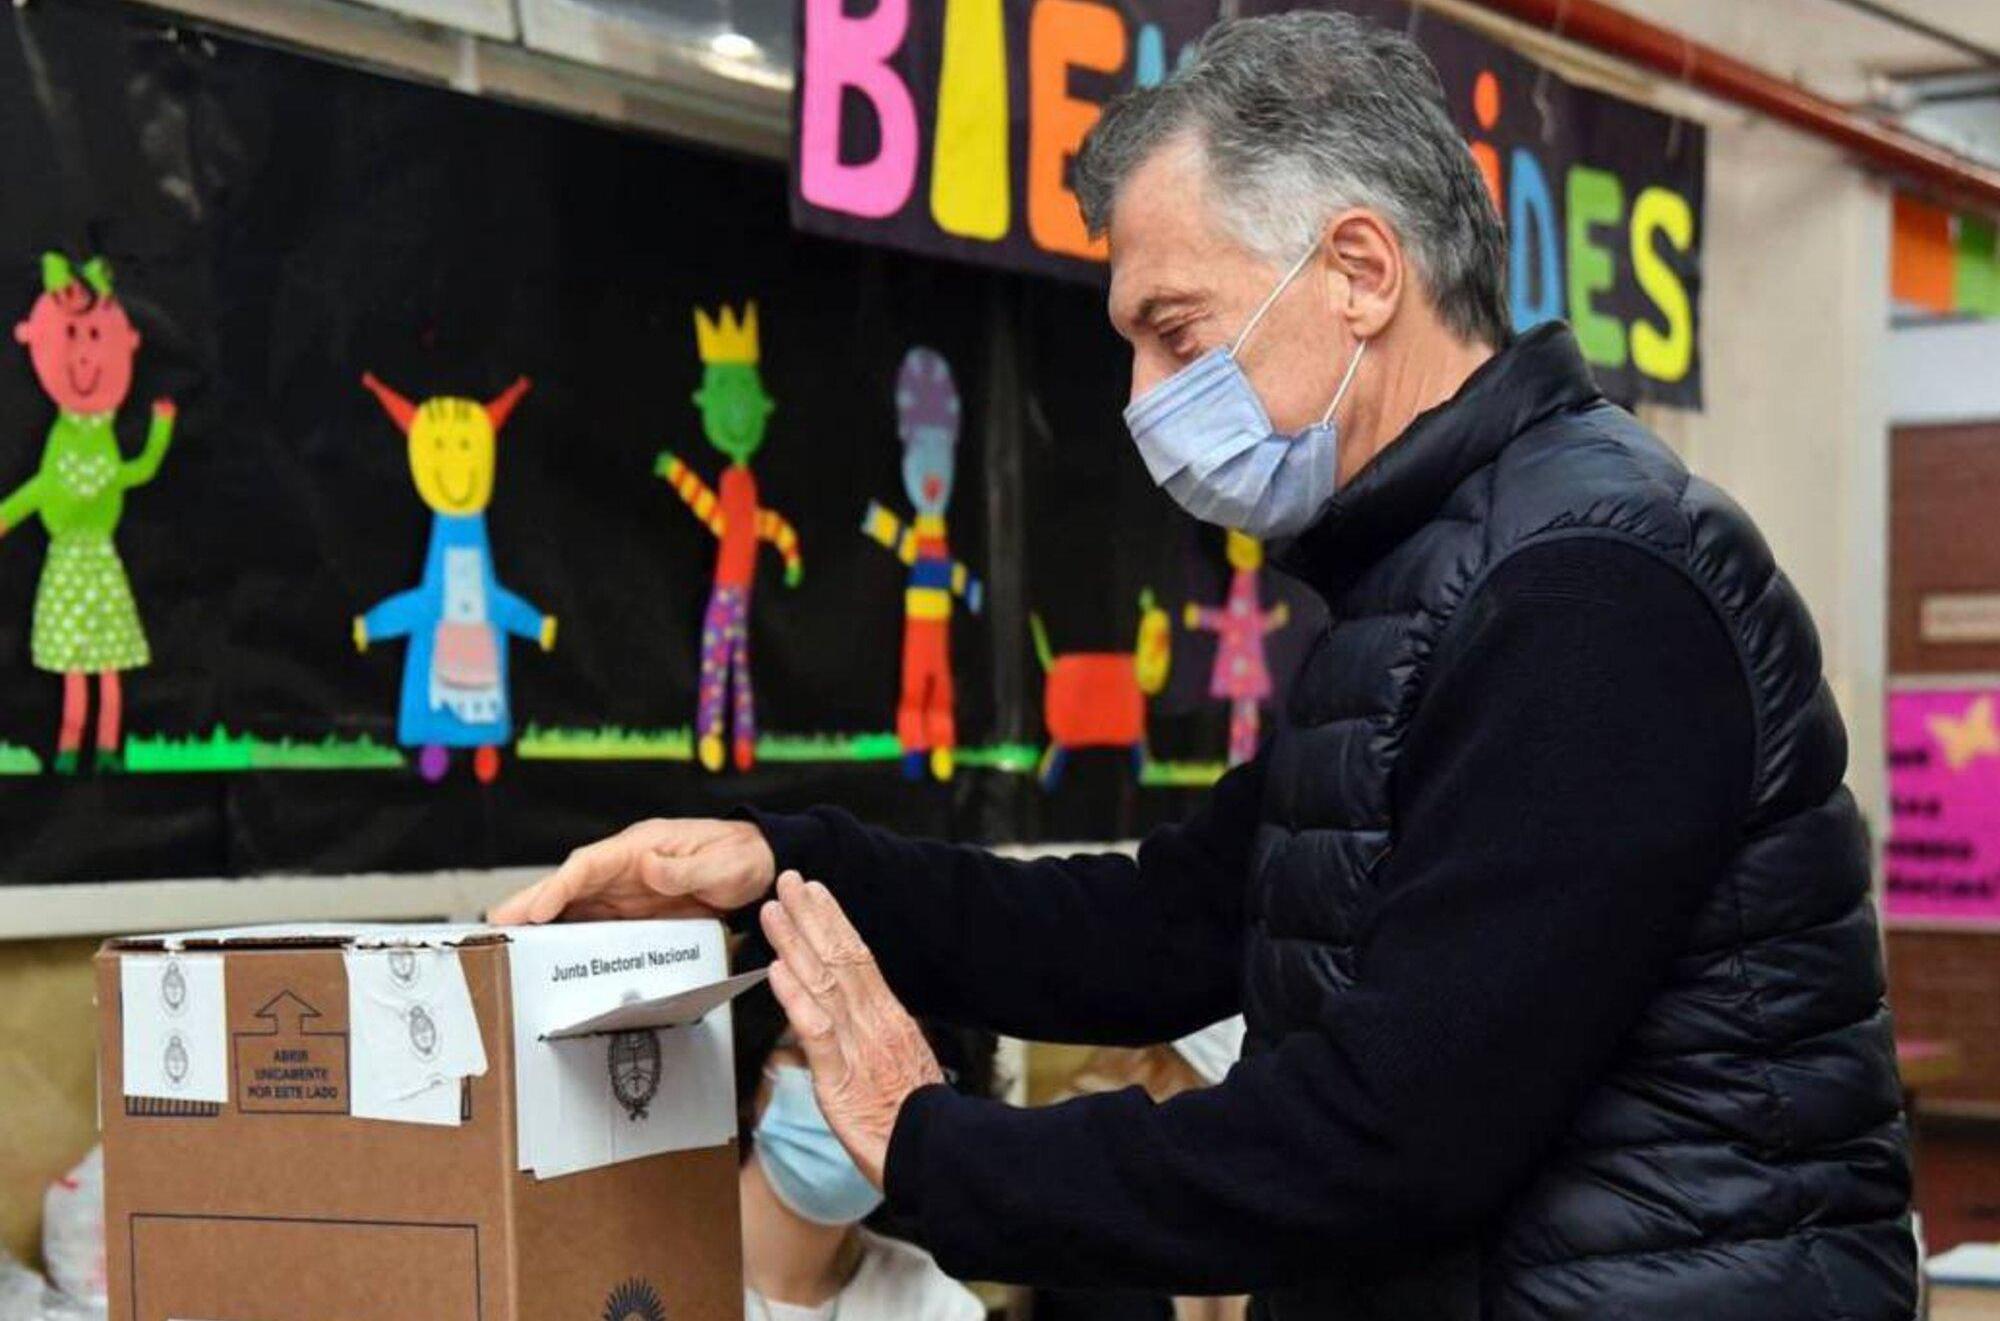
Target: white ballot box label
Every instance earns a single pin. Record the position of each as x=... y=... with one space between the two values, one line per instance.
x=175 y=1018
x=587 y=1101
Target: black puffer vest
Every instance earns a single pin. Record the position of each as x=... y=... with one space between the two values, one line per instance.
x=1745 y=1155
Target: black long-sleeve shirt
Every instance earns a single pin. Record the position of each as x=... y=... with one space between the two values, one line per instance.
x=1568 y=790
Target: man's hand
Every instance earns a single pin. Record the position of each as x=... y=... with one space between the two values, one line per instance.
x=685 y=868
x=866 y=1053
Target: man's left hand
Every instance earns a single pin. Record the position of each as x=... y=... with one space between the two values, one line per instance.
x=866 y=1053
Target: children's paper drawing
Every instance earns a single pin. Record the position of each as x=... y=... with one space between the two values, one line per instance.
x=458 y=617
x=1097 y=699
x=1242 y=676
x=927 y=421
x=735 y=409
x=86 y=622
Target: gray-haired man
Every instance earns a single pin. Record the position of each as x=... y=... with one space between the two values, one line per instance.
x=1545 y=905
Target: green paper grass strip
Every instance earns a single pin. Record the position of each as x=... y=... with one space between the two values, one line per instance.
x=222 y=751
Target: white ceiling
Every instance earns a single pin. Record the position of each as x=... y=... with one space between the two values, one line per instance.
x=1827 y=45
x=1854 y=57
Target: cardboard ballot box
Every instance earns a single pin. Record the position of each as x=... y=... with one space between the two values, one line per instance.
x=393 y=1123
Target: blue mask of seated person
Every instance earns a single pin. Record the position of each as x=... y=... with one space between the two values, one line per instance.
x=803 y=1161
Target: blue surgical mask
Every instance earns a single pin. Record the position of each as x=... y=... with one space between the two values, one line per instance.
x=803 y=1161
x=1209 y=444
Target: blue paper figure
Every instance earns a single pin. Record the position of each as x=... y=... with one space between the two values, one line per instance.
x=459 y=617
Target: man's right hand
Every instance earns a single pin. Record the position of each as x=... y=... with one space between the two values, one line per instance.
x=659 y=868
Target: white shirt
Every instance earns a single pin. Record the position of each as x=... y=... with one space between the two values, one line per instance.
x=895 y=1281
x=763 y=1309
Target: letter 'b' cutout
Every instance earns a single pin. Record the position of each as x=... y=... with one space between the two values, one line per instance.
x=842 y=52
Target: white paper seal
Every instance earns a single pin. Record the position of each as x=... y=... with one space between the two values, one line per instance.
x=412 y=1032
x=175 y=1026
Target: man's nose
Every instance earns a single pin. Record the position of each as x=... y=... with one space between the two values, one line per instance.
x=1144 y=377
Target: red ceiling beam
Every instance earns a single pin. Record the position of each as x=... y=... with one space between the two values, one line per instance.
x=1929 y=168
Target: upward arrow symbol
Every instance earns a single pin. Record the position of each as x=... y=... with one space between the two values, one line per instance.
x=286 y=1010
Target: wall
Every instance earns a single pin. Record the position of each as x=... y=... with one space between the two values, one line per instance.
x=1947 y=371
x=48 y=1078
x=1944 y=487
x=1796 y=328
x=1944 y=976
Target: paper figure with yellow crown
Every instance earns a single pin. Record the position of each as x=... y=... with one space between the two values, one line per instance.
x=459 y=617
x=734 y=412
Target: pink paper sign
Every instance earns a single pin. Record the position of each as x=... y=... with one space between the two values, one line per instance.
x=1944 y=804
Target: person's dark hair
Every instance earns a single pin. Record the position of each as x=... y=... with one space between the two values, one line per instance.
x=1299 y=115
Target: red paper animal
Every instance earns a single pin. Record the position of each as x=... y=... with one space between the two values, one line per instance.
x=1097 y=699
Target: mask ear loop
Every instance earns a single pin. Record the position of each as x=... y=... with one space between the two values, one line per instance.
x=1236 y=344
x=1353 y=366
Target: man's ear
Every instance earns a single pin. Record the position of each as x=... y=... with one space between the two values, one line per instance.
x=21 y=332
x=1360 y=246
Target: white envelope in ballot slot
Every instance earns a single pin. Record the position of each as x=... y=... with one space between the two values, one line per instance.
x=680 y=1009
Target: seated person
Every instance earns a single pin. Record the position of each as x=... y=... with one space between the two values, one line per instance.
x=806 y=1256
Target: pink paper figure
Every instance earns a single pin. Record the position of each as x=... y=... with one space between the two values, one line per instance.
x=1241 y=676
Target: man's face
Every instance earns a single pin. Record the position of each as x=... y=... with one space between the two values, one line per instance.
x=1181 y=284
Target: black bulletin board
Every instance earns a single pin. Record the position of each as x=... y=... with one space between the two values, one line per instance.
x=276 y=226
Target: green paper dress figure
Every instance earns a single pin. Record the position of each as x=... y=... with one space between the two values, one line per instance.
x=86 y=623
